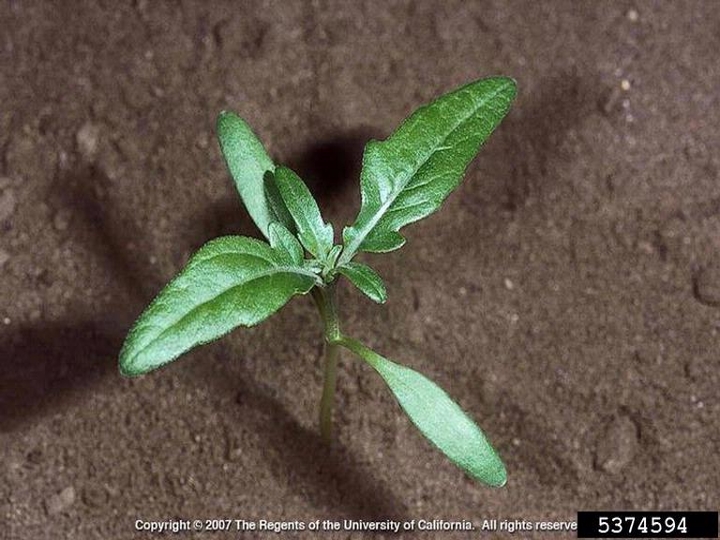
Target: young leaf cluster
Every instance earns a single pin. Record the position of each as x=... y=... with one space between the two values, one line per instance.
x=238 y=281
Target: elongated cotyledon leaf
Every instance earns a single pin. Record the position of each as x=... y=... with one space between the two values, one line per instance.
x=247 y=162
x=313 y=232
x=438 y=417
x=407 y=176
x=231 y=281
x=366 y=279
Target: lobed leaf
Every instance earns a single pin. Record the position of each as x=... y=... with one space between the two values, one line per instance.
x=407 y=176
x=313 y=232
x=366 y=279
x=438 y=417
x=248 y=163
x=231 y=281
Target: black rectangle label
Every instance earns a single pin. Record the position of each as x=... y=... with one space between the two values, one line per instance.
x=613 y=524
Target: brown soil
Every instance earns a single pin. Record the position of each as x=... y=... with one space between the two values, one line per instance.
x=567 y=295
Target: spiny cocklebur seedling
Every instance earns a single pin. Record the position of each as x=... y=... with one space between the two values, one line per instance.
x=238 y=281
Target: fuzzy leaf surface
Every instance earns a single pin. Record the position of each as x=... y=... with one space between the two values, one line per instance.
x=407 y=176
x=282 y=239
x=438 y=417
x=248 y=163
x=276 y=204
x=366 y=279
x=231 y=281
x=313 y=232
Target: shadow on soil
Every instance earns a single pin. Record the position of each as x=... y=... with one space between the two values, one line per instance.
x=45 y=367
x=327 y=477
x=331 y=168
x=529 y=140
x=332 y=165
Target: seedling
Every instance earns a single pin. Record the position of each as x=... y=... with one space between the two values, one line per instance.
x=239 y=281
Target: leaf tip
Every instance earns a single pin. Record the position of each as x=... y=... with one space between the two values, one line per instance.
x=227 y=121
x=497 y=476
x=513 y=86
x=511 y=83
x=126 y=367
x=128 y=361
x=380 y=295
x=501 y=479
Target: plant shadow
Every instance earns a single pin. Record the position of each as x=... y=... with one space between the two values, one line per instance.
x=50 y=365
x=44 y=368
x=329 y=477
x=331 y=169
x=532 y=135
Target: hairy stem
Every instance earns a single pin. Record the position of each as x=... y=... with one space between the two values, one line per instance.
x=327 y=305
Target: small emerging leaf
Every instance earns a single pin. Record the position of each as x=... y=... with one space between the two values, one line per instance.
x=438 y=417
x=407 y=176
x=313 y=265
x=365 y=279
x=231 y=281
x=276 y=203
x=314 y=233
x=248 y=162
x=282 y=239
x=333 y=255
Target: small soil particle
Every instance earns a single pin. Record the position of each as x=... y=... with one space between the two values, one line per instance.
x=60 y=502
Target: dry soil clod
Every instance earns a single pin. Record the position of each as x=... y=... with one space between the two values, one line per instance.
x=618 y=445
x=8 y=203
x=60 y=502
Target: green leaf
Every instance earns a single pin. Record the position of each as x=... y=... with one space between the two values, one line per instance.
x=248 y=162
x=313 y=265
x=438 y=417
x=407 y=177
x=314 y=233
x=365 y=279
x=282 y=239
x=276 y=203
x=231 y=281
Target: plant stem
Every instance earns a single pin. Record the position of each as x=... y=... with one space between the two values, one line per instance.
x=327 y=305
x=332 y=351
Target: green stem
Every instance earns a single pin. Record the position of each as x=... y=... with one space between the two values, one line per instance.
x=327 y=305
x=364 y=352
x=332 y=351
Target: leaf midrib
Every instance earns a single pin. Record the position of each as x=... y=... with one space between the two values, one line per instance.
x=351 y=249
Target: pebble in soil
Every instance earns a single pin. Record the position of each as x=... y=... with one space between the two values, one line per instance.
x=618 y=445
x=87 y=139
x=707 y=286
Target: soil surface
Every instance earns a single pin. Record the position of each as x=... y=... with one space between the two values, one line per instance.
x=567 y=294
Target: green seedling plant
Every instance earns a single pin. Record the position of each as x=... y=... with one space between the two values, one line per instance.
x=239 y=281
